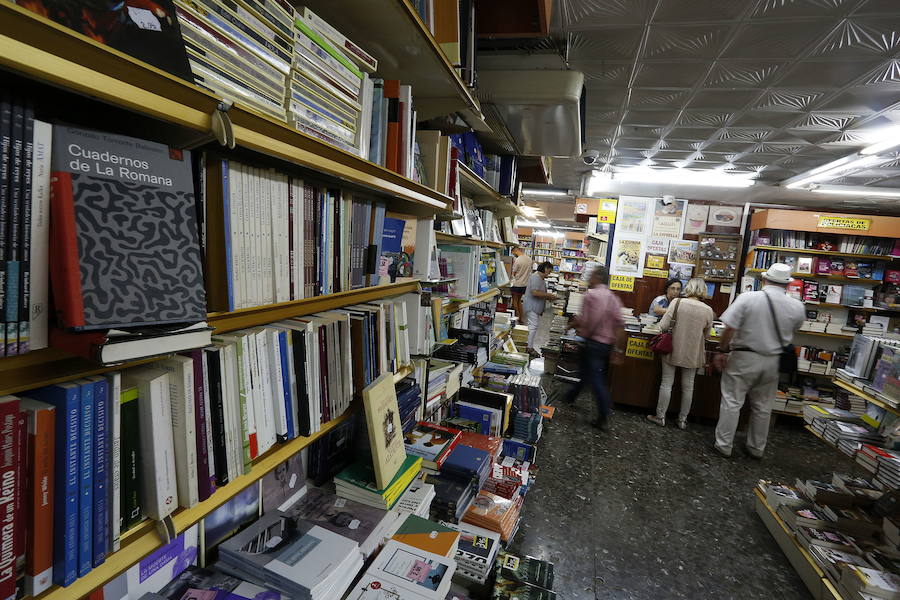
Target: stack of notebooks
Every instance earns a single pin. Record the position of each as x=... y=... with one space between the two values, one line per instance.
x=495 y=513
x=433 y=443
x=476 y=551
x=468 y=464
x=357 y=482
x=274 y=552
x=403 y=571
x=528 y=426
x=523 y=577
x=452 y=497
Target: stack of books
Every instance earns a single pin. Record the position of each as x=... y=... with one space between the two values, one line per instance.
x=528 y=426
x=426 y=535
x=476 y=551
x=452 y=497
x=409 y=403
x=632 y=323
x=468 y=464
x=838 y=430
x=495 y=513
x=417 y=498
x=493 y=445
x=523 y=577
x=814 y=326
x=357 y=482
x=433 y=443
x=403 y=571
x=275 y=551
x=851 y=402
x=527 y=392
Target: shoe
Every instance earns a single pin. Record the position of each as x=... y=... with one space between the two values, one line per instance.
x=754 y=454
x=602 y=423
x=661 y=421
x=533 y=353
x=721 y=451
x=682 y=424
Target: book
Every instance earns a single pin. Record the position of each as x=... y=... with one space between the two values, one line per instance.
x=358 y=482
x=184 y=427
x=385 y=432
x=525 y=569
x=39 y=281
x=411 y=568
x=101 y=475
x=804 y=265
x=129 y=471
x=432 y=442
x=114 y=488
x=833 y=294
x=85 y=476
x=40 y=494
x=9 y=527
x=880 y=584
x=92 y=172
x=117 y=346
x=507 y=589
x=427 y=535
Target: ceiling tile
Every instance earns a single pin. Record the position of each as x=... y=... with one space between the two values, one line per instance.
x=593 y=14
x=886 y=74
x=729 y=147
x=800 y=8
x=651 y=118
x=666 y=75
x=740 y=73
x=607 y=44
x=685 y=41
x=699 y=10
x=723 y=99
x=862 y=100
x=744 y=134
x=698 y=118
x=602 y=74
x=650 y=98
x=824 y=75
x=692 y=133
x=792 y=100
x=756 y=118
x=857 y=37
x=775 y=40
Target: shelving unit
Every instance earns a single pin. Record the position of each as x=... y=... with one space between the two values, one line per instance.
x=865 y=395
x=828 y=277
x=457 y=305
x=448 y=238
x=826 y=335
x=144 y=539
x=483 y=195
x=814 y=252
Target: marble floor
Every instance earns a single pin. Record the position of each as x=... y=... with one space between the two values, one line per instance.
x=649 y=513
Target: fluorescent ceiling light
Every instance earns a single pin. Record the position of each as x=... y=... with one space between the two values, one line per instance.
x=828 y=171
x=531 y=211
x=522 y=223
x=890 y=138
x=545 y=192
x=856 y=190
x=683 y=177
x=548 y=233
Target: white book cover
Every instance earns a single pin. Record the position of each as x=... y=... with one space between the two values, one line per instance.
x=344 y=358
x=114 y=488
x=364 y=128
x=292 y=378
x=408 y=567
x=277 y=379
x=40 y=235
x=247 y=412
x=251 y=228
x=265 y=396
x=159 y=493
x=406 y=131
x=234 y=412
x=208 y=413
x=313 y=371
x=373 y=587
x=301 y=327
x=255 y=392
x=184 y=430
x=285 y=245
x=426 y=251
x=229 y=394
x=299 y=237
x=234 y=232
x=402 y=332
x=279 y=218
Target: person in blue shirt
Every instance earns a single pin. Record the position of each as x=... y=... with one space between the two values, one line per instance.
x=660 y=304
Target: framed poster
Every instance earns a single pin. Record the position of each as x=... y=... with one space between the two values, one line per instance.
x=628 y=256
x=632 y=217
x=695 y=218
x=668 y=218
x=724 y=216
x=682 y=251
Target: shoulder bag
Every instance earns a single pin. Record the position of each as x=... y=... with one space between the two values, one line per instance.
x=787 y=360
x=661 y=343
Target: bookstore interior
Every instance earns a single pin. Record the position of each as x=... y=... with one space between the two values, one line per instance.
x=320 y=301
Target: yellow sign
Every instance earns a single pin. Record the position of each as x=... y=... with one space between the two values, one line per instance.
x=845 y=223
x=655 y=261
x=621 y=283
x=639 y=348
x=607 y=211
x=661 y=273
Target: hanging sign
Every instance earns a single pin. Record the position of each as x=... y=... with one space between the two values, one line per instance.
x=621 y=283
x=845 y=223
x=639 y=348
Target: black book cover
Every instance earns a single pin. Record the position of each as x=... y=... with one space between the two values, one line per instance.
x=130 y=491
x=25 y=235
x=148 y=30
x=217 y=414
x=5 y=151
x=332 y=453
x=301 y=374
x=16 y=168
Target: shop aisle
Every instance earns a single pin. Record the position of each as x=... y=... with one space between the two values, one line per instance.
x=646 y=513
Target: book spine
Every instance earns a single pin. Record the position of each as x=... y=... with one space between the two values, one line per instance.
x=242 y=385
x=266 y=393
x=130 y=499
x=39 y=540
x=9 y=527
x=181 y=402
x=114 y=495
x=288 y=382
x=101 y=471
x=160 y=495
x=218 y=416
x=86 y=479
x=203 y=489
x=209 y=422
x=228 y=235
x=24 y=225
x=65 y=274
x=5 y=151
x=39 y=236
x=16 y=168
x=21 y=491
x=276 y=382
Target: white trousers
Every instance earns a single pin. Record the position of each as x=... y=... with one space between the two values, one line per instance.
x=665 y=390
x=754 y=376
x=533 y=320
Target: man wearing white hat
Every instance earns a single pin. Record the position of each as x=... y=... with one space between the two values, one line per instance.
x=757 y=327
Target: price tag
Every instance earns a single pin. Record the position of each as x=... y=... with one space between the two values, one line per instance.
x=293 y=481
x=144 y=19
x=354 y=524
x=340 y=502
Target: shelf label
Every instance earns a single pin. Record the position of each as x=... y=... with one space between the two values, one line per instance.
x=144 y=19
x=621 y=283
x=845 y=223
x=660 y=273
x=639 y=348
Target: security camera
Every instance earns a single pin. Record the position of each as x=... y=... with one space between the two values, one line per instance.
x=667 y=200
x=590 y=157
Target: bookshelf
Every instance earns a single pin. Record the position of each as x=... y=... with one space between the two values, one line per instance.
x=483 y=195
x=449 y=238
x=814 y=252
x=50 y=53
x=144 y=539
x=20 y=373
x=828 y=277
x=864 y=395
x=457 y=305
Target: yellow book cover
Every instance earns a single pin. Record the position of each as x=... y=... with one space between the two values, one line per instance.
x=385 y=432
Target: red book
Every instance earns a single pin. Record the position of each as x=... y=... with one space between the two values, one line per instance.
x=431 y=442
x=392 y=154
x=892 y=276
x=39 y=495
x=9 y=459
x=493 y=445
x=65 y=272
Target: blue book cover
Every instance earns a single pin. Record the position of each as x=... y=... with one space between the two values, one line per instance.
x=226 y=211
x=66 y=398
x=518 y=449
x=482 y=416
x=375 y=140
x=467 y=460
x=367 y=356
x=286 y=382
x=86 y=478
x=101 y=469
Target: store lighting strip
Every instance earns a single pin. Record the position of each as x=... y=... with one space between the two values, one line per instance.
x=856 y=190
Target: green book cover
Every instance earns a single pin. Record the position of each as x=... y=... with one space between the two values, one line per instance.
x=361 y=474
x=338 y=56
x=243 y=386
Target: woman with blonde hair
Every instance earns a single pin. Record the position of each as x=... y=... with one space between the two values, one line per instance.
x=690 y=319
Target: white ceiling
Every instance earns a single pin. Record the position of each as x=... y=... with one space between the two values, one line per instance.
x=773 y=87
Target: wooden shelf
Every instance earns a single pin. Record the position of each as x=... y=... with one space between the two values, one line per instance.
x=809 y=571
x=143 y=539
x=830 y=305
x=402 y=372
x=51 y=366
x=815 y=252
x=814 y=276
x=823 y=334
x=482 y=194
x=457 y=305
x=447 y=238
x=392 y=32
x=48 y=52
x=864 y=395
x=808 y=220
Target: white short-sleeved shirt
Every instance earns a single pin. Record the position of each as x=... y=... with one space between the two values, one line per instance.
x=751 y=318
x=531 y=303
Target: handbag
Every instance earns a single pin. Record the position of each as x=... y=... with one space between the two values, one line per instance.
x=787 y=360
x=661 y=343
